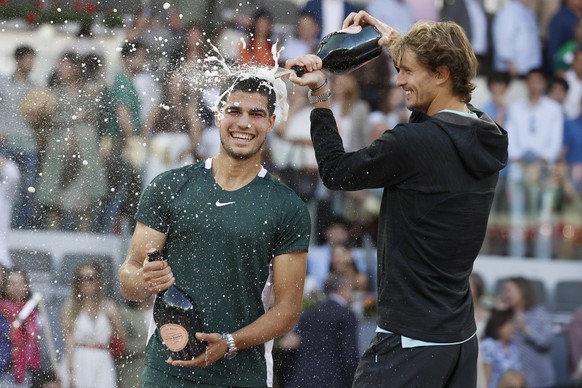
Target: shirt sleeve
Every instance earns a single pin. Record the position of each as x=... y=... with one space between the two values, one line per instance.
x=387 y=161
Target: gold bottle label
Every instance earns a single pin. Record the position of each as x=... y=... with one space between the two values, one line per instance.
x=175 y=336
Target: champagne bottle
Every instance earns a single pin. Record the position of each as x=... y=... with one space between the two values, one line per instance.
x=347 y=49
x=178 y=319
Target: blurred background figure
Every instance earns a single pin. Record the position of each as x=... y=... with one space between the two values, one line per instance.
x=328 y=351
x=330 y=14
x=122 y=145
x=25 y=339
x=135 y=317
x=89 y=320
x=535 y=126
x=306 y=37
x=343 y=264
x=499 y=353
x=561 y=29
x=471 y=15
x=574 y=333
x=177 y=125
x=481 y=318
x=9 y=183
x=512 y=379
x=72 y=177
x=17 y=140
x=517 y=47
x=396 y=13
x=256 y=48
x=534 y=331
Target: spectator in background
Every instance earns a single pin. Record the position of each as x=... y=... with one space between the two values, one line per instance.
x=535 y=126
x=121 y=144
x=89 y=320
x=496 y=108
x=343 y=264
x=395 y=13
x=574 y=333
x=306 y=38
x=498 y=350
x=573 y=77
x=319 y=256
x=72 y=177
x=558 y=90
x=423 y=10
x=328 y=352
x=516 y=39
x=374 y=79
x=534 y=331
x=25 y=339
x=545 y=11
x=256 y=48
x=563 y=58
x=392 y=111
x=17 y=141
x=572 y=187
x=192 y=49
x=512 y=379
x=351 y=113
x=9 y=184
x=135 y=317
x=5 y=342
x=177 y=125
x=470 y=14
x=330 y=14
x=481 y=318
x=562 y=27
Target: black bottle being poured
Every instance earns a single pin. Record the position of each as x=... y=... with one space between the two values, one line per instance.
x=347 y=49
x=177 y=318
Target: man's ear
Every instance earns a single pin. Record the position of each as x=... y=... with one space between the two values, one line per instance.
x=272 y=121
x=443 y=73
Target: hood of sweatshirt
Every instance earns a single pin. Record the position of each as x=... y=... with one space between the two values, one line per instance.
x=480 y=142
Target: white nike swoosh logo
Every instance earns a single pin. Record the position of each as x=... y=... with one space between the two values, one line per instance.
x=219 y=204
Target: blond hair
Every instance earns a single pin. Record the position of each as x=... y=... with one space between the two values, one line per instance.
x=439 y=44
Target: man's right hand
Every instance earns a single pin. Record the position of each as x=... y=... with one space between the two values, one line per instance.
x=157 y=275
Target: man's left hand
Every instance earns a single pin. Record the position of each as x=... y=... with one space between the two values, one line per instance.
x=216 y=348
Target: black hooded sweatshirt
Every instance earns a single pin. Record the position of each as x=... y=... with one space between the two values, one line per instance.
x=439 y=174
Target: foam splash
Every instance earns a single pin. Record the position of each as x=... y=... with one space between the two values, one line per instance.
x=214 y=69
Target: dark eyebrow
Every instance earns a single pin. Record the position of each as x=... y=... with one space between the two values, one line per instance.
x=259 y=110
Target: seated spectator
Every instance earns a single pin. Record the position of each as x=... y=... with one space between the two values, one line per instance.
x=481 y=317
x=24 y=338
x=256 y=50
x=512 y=379
x=305 y=40
x=89 y=320
x=319 y=257
x=498 y=349
x=342 y=263
x=534 y=331
x=575 y=346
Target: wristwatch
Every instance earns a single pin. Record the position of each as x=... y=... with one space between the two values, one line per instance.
x=232 y=349
x=315 y=99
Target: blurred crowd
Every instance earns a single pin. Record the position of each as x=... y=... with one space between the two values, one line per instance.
x=88 y=140
x=76 y=151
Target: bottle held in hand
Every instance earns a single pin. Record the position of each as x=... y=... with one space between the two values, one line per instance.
x=347 y=49
x=178 y=319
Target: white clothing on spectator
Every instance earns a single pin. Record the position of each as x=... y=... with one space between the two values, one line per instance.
x=516 y=38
